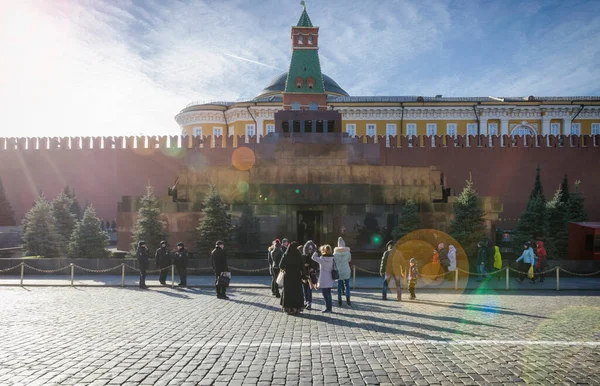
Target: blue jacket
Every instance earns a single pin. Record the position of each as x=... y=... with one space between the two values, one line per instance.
x=528 y=256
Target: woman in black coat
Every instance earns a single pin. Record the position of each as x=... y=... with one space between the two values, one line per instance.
x=292 y=299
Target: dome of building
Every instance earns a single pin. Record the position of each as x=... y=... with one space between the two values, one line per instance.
x=277 y=86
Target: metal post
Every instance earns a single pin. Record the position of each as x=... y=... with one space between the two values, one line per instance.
x=123 y=275
x=72 y=273
x=172 y=276
x=353 y=276
x=22 y=272
x=456 y=279
x=507 y=277
x=558 y=278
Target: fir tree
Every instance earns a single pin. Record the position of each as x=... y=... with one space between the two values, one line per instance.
x=148 y=226
x=248 y=231
x=39 y=235
x=576 y=206
x=538 y=190
x=88 y=239
x=64 y=220
x=7 y=216
x=215 y=223
x=468 y=227
x=557 y=232
x=565 y=196
x=410 y=220
x=532 y=223
x=75 y=207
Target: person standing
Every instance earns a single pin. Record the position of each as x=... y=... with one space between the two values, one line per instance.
x=274 y=260
x=143 y=258
x=219 y=264
x=443 y=256
x=285 y=243
x=181 y=262
x=391 y=269
x=343 y=259
x=541 y=262
x=497 y=261
x=163 y=261
x=451 y=261
x=325 y=280
x=481 y=260
x=526 y=261
x=310 y=271
x=292 y=299
x=413 y=275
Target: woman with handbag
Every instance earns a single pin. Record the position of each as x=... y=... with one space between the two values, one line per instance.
x=326 y=274
x=292 y=264
x=526 y=261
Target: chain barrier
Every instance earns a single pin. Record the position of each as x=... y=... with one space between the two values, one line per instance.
x=96 y=270
x=46 y=270
x=200 y=269
x=579 y=274
x=248 y=270
x=436 y=276
x=9 y=269
x=158 y=270
x=130 y=267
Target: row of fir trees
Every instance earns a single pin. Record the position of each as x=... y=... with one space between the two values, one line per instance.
x=60 y=228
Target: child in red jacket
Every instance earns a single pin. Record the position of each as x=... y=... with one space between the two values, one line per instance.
x=541 y=260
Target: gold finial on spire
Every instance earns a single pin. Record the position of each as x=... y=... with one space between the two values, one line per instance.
x=303 y=3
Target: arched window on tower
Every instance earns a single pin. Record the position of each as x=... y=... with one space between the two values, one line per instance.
x=310 y=82
x=313 y=106
x=295 y=106
x=310 y=40
x=300 y=39
x=299 y=82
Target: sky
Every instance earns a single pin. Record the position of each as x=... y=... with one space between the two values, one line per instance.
x=123 y=67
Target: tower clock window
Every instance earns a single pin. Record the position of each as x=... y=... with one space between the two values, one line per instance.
x=300 y=39
x=299 y=82
x=310 y=40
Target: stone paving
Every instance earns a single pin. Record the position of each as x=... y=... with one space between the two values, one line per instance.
x=163 y=336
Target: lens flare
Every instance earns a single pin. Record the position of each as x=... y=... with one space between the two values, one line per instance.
x=243 y=158
x=243 y=187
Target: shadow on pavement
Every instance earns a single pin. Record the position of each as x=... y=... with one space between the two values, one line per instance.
x=476 y=307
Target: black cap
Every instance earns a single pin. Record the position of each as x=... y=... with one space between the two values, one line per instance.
x=141 y=242
x=163 y=242
x=219 y=242
x=180 y=244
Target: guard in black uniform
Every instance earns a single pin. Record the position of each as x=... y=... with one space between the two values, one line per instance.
x=163 y=261
x=181 y=263
x=219 y=264
x=144 y=260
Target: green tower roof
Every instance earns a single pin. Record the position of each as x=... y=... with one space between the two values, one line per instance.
x=305 y=63
x=304 y=20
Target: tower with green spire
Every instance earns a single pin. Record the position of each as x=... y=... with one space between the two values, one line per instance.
x=304 y=87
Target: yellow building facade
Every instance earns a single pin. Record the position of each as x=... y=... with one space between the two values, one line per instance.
x=373 y=116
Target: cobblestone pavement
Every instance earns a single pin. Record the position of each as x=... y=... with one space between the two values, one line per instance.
x=125 y=336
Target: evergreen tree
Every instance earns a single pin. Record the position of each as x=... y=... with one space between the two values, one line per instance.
x=75 y=207
x=565 y=196
x=576 y=206
x=532 y=223
x=468 y=227
x=215 y=223
x=64 y=220
x=558 y=235
x=537 y=186
x=39 y=235
x=247 y=233
x=148 y=226
x=7 y=216
x=410 y=220
x=88 y=239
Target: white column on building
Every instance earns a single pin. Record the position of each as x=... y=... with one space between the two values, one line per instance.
x=545 y=125
x=503 y=129
x=567 y=125
x=260 y=129
x=483 y=129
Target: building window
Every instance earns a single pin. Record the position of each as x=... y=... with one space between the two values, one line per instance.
x=300 y=39
x=217 y=132
x=310 y=40
x=451 y=129
x=431 y=129
x=299 y=82
x=576 y=129
x=472 y=129
x=390 y=131
x=198 y=131
x=492 y=128
x=371 y=129
x=522 y=130
x=411 y=129
x=555 y=128
x=595 y=128
x=351 y=129
x=295 y=106
x=313 y=106
x=310 y=82
x=250 y=132
x=270 y=128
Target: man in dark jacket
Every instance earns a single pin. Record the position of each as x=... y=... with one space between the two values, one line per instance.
x=163 y=261
x=219 y=264
x=143 y=259
x=181 y=262
x=274 y=259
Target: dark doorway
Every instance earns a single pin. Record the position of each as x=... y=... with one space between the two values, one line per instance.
x=309 y=226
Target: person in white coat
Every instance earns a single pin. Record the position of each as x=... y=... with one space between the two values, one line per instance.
x=452 y=258
x=326 y=282
x=343 y=258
